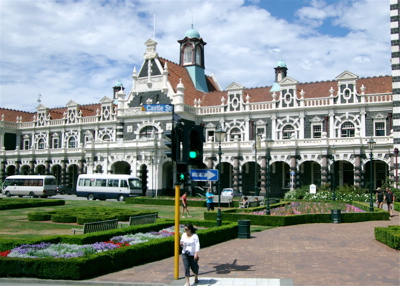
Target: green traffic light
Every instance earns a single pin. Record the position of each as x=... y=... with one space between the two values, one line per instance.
x=193 y=154
x=182 y=177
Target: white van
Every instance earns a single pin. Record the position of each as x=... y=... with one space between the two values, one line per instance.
x=102 y=187
x=30 y=185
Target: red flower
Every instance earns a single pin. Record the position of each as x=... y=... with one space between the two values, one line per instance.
x=5 y=253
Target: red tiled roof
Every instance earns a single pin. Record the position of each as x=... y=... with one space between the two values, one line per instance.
x=55 y=113
x=373 y=85
x=11 y=115
x=177 y=72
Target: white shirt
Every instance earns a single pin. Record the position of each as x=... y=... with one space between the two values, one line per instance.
x=191 y=244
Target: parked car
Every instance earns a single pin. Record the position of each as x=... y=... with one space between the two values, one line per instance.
x=230 y=192
x=65 y=189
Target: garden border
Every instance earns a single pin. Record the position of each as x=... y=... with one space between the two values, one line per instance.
x=388 y=235
x=110 y=261
x=15 y=203
x=272 y=220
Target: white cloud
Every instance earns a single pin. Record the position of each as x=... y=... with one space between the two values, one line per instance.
x=78 y=49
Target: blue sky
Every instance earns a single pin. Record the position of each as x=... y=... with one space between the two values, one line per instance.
x=77 y=50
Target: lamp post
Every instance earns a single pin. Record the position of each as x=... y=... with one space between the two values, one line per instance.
x=371 y=146
x=333 y=152
x=396 y=178
x=219 y=137
x=256 y=146
x=268 y=144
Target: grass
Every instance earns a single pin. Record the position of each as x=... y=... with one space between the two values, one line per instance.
x=14 y=223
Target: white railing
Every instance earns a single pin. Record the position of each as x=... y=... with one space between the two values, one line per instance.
x=378 y=98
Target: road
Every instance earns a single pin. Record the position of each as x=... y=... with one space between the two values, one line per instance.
x=59 y=197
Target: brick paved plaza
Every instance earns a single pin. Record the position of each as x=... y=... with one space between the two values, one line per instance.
x=311 y=254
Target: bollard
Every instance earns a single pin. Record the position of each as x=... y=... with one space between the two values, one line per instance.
x=243 y=228
x=336 y=216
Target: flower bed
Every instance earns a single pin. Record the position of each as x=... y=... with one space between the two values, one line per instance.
x=296 y=208
x=64 y=250
x=100 y=263
x=283 y=220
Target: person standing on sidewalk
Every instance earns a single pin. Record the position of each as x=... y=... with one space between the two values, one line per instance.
x=184 y=205
x=389 y=199
x=190 y=244
x=379 y=198
x=210 y=200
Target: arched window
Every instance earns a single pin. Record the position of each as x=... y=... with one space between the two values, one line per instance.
x=235 y=134
x=188 y=55
x=106 y=137
x=71 y=142
x=287 y=131
x=147 y=132
x=347 y=129
x=41 y=143
x=198 y=56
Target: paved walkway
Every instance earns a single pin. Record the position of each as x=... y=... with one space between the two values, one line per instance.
x=311 y=254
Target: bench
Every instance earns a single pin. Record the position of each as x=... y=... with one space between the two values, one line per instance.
x=98 y=226
x=226 y=200
x=253 y=202
x=141 y=219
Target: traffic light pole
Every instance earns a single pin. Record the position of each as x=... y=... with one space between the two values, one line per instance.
x=177 y=238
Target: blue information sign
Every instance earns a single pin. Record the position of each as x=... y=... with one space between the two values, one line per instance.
x=157 y=107
x=204 y=175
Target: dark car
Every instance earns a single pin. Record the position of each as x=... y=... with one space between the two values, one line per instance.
x=65 y=190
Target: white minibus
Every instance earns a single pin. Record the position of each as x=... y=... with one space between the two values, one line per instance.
x=102 y=187
x=30 y=185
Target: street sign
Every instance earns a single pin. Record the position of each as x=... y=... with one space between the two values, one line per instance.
x=157 y=107
x=204 y=175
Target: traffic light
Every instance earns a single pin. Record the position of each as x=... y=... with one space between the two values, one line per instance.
x=181 y=172
x=171 y=144
x=193 y=144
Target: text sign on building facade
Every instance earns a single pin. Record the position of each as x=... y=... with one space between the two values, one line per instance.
x=157 y=107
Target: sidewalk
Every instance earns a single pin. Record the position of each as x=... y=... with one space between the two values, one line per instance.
x=311 y=254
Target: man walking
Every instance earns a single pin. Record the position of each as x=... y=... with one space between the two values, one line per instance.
x=210 y=200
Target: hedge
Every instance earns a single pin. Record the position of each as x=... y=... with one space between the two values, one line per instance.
x=12 y=203
x=233 y=215
x=85 y=215
x=389 y=235
x=106 y=262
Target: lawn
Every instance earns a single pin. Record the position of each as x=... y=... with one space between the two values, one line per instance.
x=15 y=225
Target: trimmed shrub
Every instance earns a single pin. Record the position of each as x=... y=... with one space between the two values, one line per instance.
x=12 y=203
x=388 y=235
x=86 y=215
x=110 y=261
x=274 y=220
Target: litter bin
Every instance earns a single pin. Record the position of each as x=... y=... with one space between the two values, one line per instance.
x=336 y=216
x=244 y=229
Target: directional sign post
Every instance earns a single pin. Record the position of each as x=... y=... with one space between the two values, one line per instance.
x=204 y=175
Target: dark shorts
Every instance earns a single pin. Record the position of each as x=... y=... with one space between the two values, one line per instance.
x=210 y=206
